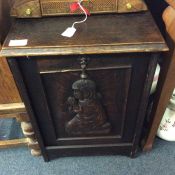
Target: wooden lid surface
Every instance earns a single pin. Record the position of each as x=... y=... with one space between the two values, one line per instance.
x=115 y=33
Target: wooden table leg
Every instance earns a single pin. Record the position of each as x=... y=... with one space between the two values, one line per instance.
x=18 y=111
x=165 y=89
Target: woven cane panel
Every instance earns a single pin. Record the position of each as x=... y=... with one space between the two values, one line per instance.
x=59 y=7
x=105 y=5
x=40 y=8
x=21 y=2
x=136 y=5
x=20 y=6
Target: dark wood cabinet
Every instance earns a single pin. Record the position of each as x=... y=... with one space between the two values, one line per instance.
x=87 y=94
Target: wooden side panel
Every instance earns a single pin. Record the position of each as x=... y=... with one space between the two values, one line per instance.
x=9 y=92
x=119 y=79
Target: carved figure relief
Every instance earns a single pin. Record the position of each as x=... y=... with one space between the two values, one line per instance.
x=89 y=115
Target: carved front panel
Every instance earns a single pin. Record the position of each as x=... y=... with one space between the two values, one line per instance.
x=113 y=98
x=95 y=109
x=89 y=113
x=87 y=108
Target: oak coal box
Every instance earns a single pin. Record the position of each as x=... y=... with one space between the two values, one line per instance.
x=86 y=95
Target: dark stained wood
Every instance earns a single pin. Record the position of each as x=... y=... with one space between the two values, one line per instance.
x=23 y=92
x=100 y=34
x=49 y=93
x=85 y=102
x=145 y=99
x=89 y=150
x=121 y=61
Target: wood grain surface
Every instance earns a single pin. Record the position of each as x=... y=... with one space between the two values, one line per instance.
x=14 y=143
x=100 y=34
x=12 y=108
x=9 y=92
x=166 y=82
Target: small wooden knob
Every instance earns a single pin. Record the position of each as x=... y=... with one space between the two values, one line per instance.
x=28 y=11
x=129 y=6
